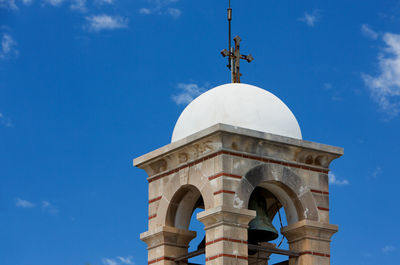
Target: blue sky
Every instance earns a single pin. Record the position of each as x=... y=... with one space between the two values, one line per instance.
x=86 y=86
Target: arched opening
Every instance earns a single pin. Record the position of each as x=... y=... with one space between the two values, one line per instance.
x=186 y=203
x=271 y=218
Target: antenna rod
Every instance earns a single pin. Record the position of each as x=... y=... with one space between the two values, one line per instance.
x=230 y=35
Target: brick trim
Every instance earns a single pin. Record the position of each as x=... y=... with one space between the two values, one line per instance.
x=160 y=259
x=257 y=158
x=152 y=216
x=224 y=191
x=323 y=209
x=155 y=199
x=226 y=255
x=315 y=254
x=226 y=239
x=320 y=192
x=226 y=175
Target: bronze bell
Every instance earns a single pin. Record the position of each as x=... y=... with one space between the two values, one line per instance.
x=260 y=228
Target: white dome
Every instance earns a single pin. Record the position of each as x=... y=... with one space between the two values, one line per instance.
x=239 y=105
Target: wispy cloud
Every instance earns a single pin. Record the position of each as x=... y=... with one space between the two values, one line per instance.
x=145 y=11
x=188 y=92
x=161 y=7
x=8 y=46
x=107 y=261
x=368 y=32
x=54 y=2
x=49 y=208
x=8 y=4
x=334 y=181
x=311 y=18
x=118 y=260
x=27 y=2
x=24 y=203
x=335 y=93
x=105 y=22
x=376 y=173
x=126 y=260
x=174 y=12
x=385 y=87
x=328 y=86
x=5 y=121
x=388 y=249
x=79 y=5
x=108 y=2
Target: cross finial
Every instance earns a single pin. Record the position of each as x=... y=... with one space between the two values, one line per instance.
x=233 y=54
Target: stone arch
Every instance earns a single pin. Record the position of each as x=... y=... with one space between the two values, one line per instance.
x=285 y=185
x=180 y=197
x=182 y=206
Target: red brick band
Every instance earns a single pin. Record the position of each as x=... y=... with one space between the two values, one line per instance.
x=160 y=259
x=224 y=191
x=155 y=199
x=320 y=192
x=226 y=255
x=226 y=175
x=257 y=158
x=323 y=209
x=226 y=239
x=315 y=254
x=152 y=216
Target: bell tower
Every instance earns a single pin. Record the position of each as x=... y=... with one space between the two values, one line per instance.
x=237 y=152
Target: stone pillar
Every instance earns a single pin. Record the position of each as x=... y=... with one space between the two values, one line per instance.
x=164 y=244
x=312 y=240
x=226 y=235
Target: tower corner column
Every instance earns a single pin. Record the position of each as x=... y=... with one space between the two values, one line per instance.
x=164 y=244
x=226 y=235
x=311 y=240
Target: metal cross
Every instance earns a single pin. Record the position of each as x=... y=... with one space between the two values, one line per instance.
x=234 y=59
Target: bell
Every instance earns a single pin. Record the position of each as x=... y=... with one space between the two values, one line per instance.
x=260 y=228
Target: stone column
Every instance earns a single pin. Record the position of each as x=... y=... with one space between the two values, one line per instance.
x=312 y=240
x=164 y=244
x=226 y=235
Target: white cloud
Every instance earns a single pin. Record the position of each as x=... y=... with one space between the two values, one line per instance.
x=376 y=172
x=334 y=181
x=107 y=261
x=385 y=88
x=105 y=22
x=5 y=121
x=8 y=46
x=50 y=208
x=27 y=2
x=127 y=260
x=24 y=203
x=79 y=5
x=328 y=86
x=368 y=32
x=109 y=2
x=187 y=94
x=161 y=7
x=388 y=249
x=174 y=12
x=54 y=2
x=145 y=11
x=311 y=18
x=8 y=4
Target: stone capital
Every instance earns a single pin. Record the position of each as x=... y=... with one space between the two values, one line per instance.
x=307 y=229
x=167 y=236
x=226 y=216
